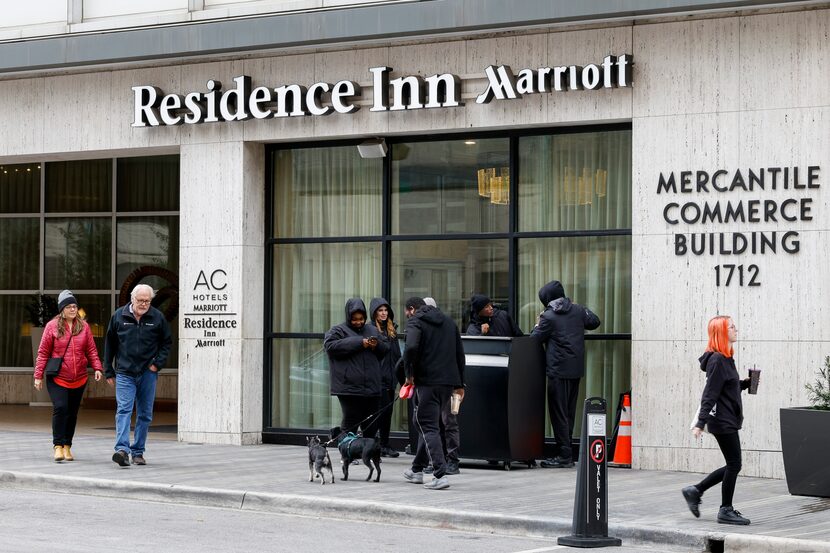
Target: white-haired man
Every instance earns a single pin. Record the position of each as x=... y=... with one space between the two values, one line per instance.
x=137 y=345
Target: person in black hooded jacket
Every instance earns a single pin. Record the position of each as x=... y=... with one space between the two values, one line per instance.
x=384 y=320
x=561 y=328
x=486 y=320
x=355 y=351
x=434 y=363
x=721 y=411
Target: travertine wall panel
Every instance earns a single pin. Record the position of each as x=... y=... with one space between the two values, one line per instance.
x=124 y=135
x=687 y=67
x=21 y=111
x=785 y=60
x=582 y=48
x=273 y=73
x=195 y=78
x=77 y=112
x=222 y=229
x=519 y=52
x=425 y=61
x=354 y=65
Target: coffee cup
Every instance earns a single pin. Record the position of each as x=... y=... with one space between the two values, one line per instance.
x=455 y=403
x=754 y=378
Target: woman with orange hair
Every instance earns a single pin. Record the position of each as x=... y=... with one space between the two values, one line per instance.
x=721 y=411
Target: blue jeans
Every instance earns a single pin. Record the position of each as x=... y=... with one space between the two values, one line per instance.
x=139 y=391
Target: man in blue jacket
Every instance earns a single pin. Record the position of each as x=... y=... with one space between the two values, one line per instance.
x=136 y=348
x=561 y=329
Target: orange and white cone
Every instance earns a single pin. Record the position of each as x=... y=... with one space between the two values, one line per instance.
x=622 y=451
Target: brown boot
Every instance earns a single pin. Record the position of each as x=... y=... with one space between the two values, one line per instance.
x=58 y=452
x=67 y=454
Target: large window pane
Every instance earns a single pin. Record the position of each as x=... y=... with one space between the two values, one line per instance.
x=313 y=281
x=78 y=253
x=20 y=188
x=146 y=242
x=449 y=271
x=450 y=186
x=301 y=386
x=576 y=181
x=148 y=183
x=79 y=186
x=19 y=251
x=594 y=270
x=327 y=192
x=15 y=332
x=607 y=375
x=96 y=312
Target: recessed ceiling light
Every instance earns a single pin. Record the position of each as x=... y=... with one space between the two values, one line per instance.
x=470 y=142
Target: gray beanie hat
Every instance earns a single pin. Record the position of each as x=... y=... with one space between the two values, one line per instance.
x=66 y=298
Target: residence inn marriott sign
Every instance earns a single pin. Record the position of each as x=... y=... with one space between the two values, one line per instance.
x=242 y=102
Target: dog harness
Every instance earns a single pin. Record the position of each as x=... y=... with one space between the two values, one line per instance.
x=348 y=439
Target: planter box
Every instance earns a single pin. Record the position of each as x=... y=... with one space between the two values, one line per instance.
x=805 y=444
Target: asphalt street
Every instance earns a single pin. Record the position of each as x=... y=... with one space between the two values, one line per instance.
x=41 y=521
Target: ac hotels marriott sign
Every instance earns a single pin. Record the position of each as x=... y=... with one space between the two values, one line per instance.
x=243 y=101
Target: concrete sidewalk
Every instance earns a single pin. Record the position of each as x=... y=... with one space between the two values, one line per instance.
x=645 y=506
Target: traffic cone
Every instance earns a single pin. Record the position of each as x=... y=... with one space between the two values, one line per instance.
x=622 y=453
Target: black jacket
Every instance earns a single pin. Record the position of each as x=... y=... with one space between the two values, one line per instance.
x=723 y=392
x=501 y=324
x=562 y=329
x=390 y=360
x=131 y=345
x=434 y=355
x=353 y=369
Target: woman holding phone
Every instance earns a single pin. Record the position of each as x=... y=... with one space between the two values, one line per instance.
x=355 y=353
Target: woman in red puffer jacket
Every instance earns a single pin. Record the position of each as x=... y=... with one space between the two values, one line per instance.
x=67 y=336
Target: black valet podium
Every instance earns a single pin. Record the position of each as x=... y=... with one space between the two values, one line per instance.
x=502 y=417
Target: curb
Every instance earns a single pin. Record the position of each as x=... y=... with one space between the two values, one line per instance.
x=406 y=515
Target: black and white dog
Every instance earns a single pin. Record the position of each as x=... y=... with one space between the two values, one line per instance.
x=318 y=459
x=351 y=448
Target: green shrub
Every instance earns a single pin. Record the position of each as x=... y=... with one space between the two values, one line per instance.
x=820 y=391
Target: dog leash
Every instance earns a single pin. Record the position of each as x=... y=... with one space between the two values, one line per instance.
x=355 y=426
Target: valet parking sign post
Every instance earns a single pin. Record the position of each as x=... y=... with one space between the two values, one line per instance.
x=590 y=520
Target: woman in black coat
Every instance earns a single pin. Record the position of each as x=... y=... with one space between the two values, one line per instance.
x=384 y=321
x=721 y=411
x=355 y=350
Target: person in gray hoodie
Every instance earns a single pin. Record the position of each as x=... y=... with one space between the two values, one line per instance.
x=561 y=329
x=355 y=351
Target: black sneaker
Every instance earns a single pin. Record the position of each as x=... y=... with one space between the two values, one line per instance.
x=122 y=458
x=557 y=463
x=388 y=452
x=692 y=496
x=728 y=515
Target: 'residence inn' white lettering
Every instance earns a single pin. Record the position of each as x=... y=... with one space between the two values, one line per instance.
x=243 y=101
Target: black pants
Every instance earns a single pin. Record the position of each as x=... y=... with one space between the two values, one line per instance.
x=387 y=402
x=65 y=405
x=357 y=408
x=562 y=394
x=431 y=400
x=730 y=446
x=450 y=435
x=412 y=427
